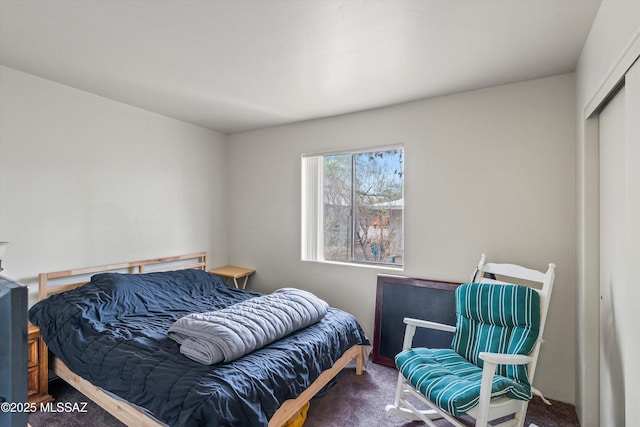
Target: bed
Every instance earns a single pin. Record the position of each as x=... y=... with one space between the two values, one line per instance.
x=108 y=339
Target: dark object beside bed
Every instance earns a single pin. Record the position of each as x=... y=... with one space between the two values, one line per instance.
x=398 y=297
x=112 y=332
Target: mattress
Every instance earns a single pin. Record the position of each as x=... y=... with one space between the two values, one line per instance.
x=113 y=333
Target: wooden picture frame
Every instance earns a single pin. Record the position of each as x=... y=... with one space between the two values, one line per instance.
x=398 y=297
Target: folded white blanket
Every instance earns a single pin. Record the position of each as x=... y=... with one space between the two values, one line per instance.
x=230 y=333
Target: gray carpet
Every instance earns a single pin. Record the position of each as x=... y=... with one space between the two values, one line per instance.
x=352 y=401
x=360 y=401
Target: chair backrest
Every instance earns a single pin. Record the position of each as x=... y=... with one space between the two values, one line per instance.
x=522 y=333
x=497 y=318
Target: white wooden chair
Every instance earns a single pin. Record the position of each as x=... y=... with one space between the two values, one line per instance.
x=488 y=372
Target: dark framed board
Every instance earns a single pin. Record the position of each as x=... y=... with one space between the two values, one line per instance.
x=398 y=297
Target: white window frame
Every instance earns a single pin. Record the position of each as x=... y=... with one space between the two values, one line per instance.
x=312 y=209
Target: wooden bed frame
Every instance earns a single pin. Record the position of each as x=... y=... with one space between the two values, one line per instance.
x=131 y=415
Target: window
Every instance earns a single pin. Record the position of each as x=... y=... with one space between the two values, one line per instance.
x=353 y=206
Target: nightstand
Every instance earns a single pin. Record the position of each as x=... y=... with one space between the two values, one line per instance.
x=38 y=368
x=234 y=273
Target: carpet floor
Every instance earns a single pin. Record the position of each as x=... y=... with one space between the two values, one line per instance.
x=352 y=401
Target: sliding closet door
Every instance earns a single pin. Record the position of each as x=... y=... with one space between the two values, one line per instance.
x=631 y=323
x=612 y=224
x=619 y=255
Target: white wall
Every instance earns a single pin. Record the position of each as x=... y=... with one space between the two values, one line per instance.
x=88 y=181
x=612 y=44
x=485 y=171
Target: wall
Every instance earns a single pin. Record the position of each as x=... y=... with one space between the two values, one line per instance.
x=612 y=45
x=486 y=171
x=88 y=181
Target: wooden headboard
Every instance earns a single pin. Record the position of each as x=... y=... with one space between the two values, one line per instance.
x=60 y=281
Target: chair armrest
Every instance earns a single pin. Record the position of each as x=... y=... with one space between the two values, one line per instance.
x=410 y=329
x=492 y=360
x=505 y=359
x=428 y=324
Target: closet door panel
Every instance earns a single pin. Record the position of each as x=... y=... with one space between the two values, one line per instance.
x=612 y=229
x=631 y=290
x=619 y=166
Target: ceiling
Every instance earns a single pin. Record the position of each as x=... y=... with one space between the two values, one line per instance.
x=241 y=65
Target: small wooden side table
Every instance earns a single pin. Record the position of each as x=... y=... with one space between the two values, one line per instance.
x=234 y=273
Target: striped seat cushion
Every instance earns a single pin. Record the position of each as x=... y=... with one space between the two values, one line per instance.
x=490 y=318
x=450 y=381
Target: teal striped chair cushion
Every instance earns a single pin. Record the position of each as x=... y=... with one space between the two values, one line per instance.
x=496 y=318
x=450 y=381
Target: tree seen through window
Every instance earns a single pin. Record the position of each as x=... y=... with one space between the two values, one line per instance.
x=363 y=207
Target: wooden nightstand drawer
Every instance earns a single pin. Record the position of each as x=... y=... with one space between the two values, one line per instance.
x=33 y=380
x=32 y=351
x=38 y=370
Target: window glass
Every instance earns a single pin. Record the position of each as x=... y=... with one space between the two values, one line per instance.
x=337 y=194
x=361 y=217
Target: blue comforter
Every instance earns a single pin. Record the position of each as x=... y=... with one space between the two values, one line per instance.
x=113 y=333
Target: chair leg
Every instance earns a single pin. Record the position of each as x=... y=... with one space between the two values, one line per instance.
x=396 y=409
x=400 y=385
x=403 y=409
x=521 y=414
